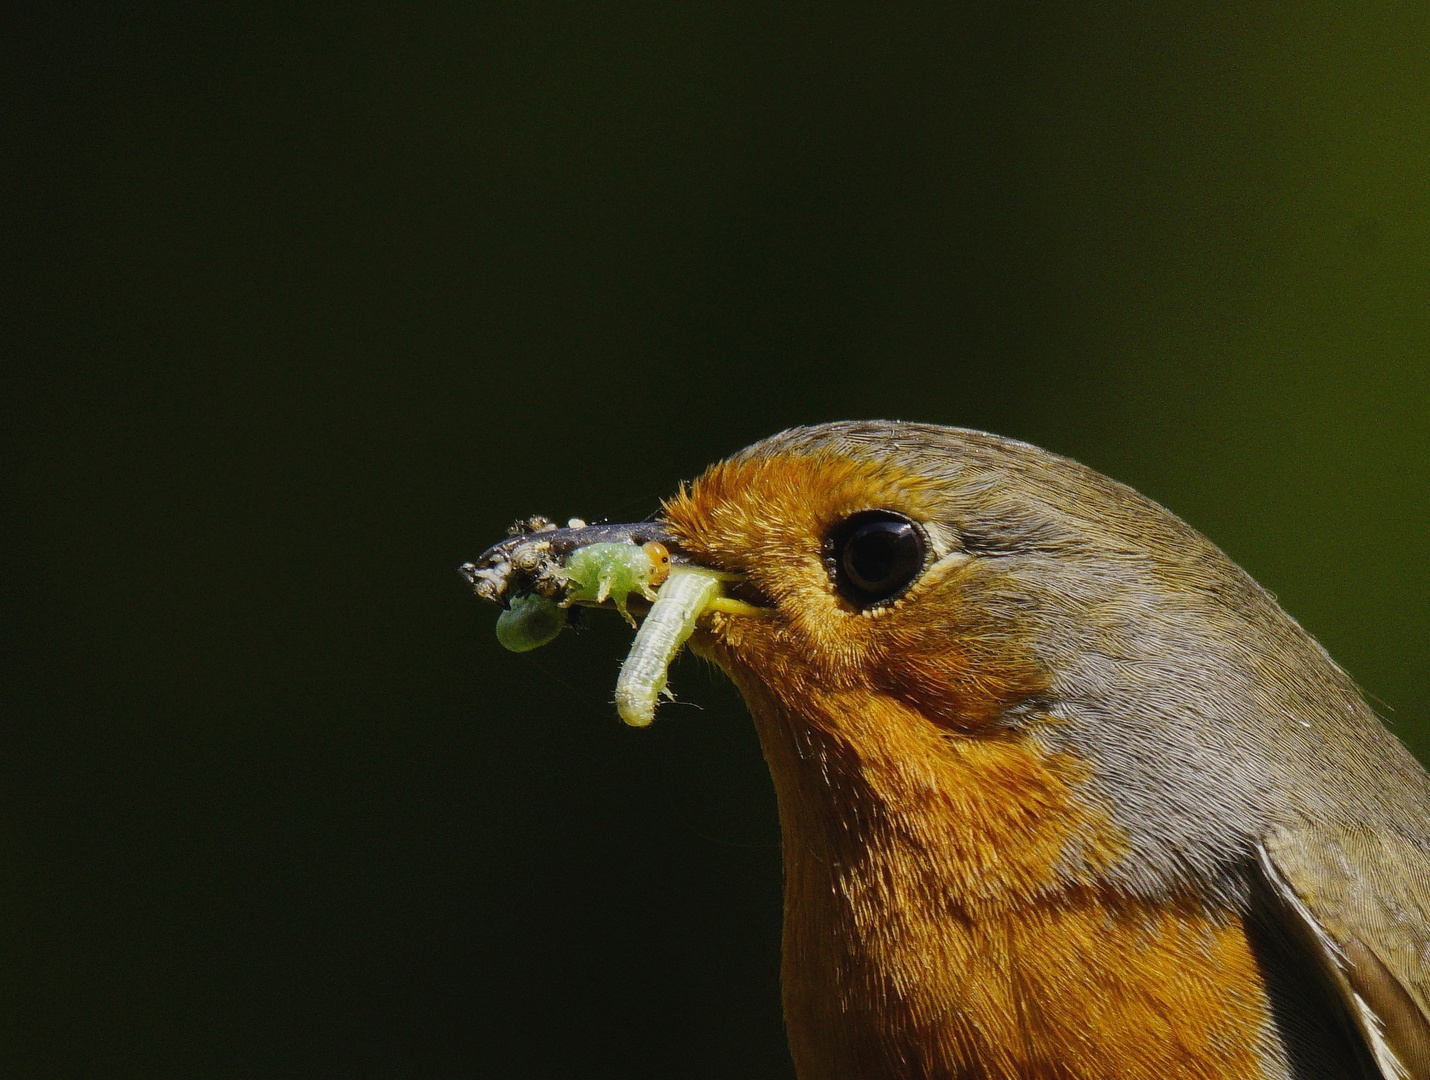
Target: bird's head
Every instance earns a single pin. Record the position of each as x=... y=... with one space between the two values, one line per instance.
x=934 y=624
x=952 y=616
x=957 y=573
x=883 y=559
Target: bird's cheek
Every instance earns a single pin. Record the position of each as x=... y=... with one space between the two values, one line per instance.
x=758 y=651
x=957 y=673
x=790 y=652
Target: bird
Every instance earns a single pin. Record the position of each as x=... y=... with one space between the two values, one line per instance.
x=1063 y=793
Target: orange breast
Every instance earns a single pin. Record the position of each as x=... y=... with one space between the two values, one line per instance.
x=942 y=917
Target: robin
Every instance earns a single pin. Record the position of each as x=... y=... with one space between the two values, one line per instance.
x=1063 y=792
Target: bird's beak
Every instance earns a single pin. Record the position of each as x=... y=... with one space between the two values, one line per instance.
x=533 y=559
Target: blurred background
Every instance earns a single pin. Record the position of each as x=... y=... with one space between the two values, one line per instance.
x=312 y=303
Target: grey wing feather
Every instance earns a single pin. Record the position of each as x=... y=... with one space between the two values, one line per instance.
x=1357 y=904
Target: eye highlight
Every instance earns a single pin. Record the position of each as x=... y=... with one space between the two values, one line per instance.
x=873 y=556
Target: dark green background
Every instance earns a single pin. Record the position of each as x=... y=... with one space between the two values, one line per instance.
x=313 y=303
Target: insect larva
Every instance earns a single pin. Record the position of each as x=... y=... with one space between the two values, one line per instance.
x=598 y=572
x=685 y=594
x=530 y=623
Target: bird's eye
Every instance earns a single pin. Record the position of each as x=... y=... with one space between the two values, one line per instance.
x=874 y=556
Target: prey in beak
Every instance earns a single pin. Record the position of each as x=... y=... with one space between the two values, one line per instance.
x=540 y=572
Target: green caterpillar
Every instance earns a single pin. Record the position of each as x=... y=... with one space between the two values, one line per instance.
x=598 y=572
x=593 y=574
x=684 y=597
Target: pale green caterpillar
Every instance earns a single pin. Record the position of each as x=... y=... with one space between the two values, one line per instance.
x=682 y=599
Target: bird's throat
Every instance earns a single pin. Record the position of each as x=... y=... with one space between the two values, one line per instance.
x=944 y=918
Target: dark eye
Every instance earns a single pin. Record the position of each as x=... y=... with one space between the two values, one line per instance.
x=874 y=556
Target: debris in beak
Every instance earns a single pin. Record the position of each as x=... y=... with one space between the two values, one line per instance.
x=541 y=572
